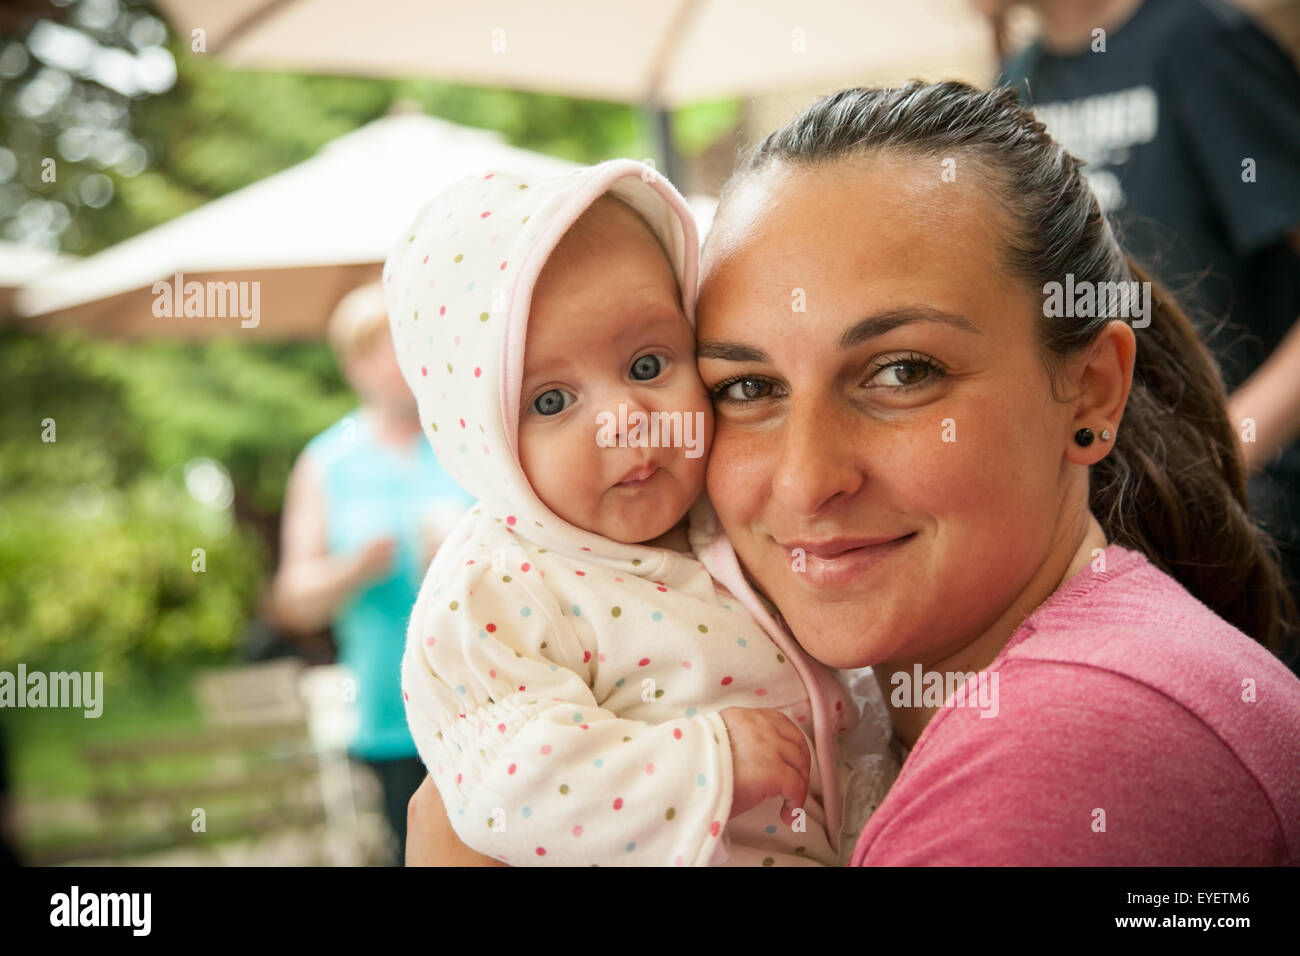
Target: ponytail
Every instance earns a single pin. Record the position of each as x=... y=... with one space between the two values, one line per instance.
x=1174 y=484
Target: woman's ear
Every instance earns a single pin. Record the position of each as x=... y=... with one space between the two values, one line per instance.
x=1102 y=377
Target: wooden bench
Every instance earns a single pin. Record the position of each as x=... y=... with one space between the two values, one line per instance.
x=253 y=769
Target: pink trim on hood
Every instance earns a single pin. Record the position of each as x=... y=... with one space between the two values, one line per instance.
x=716 y=553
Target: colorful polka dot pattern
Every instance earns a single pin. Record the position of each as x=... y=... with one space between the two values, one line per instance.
x=595 y=721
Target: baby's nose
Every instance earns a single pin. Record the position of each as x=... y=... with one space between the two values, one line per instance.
x=621 y=413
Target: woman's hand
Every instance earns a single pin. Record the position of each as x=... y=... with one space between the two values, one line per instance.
x=430 y=839
x=769 y=757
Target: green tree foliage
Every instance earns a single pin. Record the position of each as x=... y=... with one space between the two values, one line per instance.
x=97 y=528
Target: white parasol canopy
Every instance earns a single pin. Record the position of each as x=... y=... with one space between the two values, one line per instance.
x=665 y=53
x=307 y=234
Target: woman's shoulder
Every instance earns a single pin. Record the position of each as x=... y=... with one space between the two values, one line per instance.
x=1125 y=617
x=1157 y=659
x=1124 y=693
x=1075 y=765
x=1129 y=622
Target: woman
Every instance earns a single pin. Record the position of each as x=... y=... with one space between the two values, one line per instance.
x=934 y=466
x=366 y=506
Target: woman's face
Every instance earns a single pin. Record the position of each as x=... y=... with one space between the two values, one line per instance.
x=888 y=460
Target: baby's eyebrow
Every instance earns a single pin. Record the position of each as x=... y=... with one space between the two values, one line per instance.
x=646 y=325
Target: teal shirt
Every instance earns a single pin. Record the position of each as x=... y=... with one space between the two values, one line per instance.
x=372 y=490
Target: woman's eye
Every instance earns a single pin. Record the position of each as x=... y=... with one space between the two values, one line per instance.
x=646 y=368
x=551 y=402
x=905 y=373
x=740 y=390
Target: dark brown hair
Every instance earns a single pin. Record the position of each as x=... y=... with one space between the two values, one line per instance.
x=1173 y=486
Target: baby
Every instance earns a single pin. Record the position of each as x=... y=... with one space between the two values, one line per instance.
x=580 y=688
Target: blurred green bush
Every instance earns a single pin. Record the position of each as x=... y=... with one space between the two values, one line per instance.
x=98 y=528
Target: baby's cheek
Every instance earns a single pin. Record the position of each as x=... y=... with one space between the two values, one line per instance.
x=532 y=460
x=541 y=460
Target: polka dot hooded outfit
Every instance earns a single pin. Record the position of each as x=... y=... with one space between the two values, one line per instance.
x=563 y=688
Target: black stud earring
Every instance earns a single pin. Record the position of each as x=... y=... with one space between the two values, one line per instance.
x=1083 y=437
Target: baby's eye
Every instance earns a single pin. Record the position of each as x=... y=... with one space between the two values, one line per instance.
x=551 y=402
x=647 y=367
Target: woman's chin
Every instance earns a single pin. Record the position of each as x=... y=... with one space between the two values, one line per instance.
x=835 y=633
x=844 y=656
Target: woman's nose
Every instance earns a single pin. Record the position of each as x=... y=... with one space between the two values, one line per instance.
x=818 y=459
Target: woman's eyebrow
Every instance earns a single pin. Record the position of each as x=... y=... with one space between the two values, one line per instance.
x=868 y=328
x=887 y=321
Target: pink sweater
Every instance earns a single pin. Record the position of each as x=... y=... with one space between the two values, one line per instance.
x=1134 y=727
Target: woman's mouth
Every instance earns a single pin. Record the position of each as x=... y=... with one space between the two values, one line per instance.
x=837 y=562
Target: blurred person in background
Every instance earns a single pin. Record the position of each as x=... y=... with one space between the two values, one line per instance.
x=366 y=506
x=1187 y=115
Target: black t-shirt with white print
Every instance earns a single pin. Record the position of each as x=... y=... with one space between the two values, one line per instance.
x=1185 y=93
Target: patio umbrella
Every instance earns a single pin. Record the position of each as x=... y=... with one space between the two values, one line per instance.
x=20 y=265
x=666 y=52
x=659 y=54
x=306 y=236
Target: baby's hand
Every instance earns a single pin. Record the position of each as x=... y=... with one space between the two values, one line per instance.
x=769 y=757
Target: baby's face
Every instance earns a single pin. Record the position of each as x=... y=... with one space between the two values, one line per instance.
x=606 y=328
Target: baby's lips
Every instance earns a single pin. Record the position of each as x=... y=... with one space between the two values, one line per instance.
x=639 y=473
